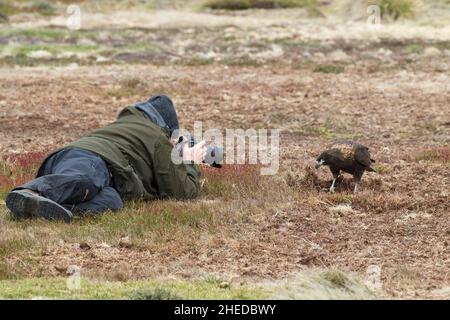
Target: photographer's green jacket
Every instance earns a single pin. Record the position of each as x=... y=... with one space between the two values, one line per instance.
x=138 y=154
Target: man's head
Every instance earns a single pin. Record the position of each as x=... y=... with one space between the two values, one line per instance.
x=166 y=109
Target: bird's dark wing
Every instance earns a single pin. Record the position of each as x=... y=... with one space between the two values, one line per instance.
x=362 y=156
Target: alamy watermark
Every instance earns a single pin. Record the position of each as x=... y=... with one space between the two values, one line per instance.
x=373 y=278
x=251 y=146
x=73 y=281
x=374 y=17
x=73 y=21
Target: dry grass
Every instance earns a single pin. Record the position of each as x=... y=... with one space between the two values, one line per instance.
x=245 y=225
x=437 y=154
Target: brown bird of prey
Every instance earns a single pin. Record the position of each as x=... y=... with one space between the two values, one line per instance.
x=348 y=156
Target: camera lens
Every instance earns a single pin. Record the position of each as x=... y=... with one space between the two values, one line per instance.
x=214 y=155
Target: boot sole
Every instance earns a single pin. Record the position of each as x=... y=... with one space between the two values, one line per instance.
x=23 y=204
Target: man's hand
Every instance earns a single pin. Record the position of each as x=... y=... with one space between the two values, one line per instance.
x=195 y=154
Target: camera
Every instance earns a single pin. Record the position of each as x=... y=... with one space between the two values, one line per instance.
x=214 y=154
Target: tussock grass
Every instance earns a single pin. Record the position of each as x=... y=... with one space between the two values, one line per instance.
x=257 y=4
x=336 y=278
x=56 y=288
x=154 y=294
x=313 y=284
x=321 y=284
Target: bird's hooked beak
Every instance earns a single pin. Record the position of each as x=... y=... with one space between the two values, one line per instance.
x=319 y=163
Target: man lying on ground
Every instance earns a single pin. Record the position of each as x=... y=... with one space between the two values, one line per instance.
x=125 y=160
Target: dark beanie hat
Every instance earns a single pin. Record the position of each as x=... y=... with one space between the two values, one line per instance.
x=164 y=106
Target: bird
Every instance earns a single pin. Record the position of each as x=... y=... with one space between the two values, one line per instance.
x=348 y=156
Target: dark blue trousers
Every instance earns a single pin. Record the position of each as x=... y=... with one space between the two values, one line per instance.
x=79 y=180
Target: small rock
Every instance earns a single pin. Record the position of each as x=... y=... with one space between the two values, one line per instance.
x=432 y=52
x=224 y=285
x=383 y=53
x=339 y=55
x=319 y=55
x=85 y=246
x=342 y=209
x=72 y=66
x=104 y=245
x=125 y=242
x=66 y=55
x=86 y=42
x=101 y=59
x=40 y=54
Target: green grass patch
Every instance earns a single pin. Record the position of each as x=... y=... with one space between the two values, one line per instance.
x=24 y=61
x=335 y=277
x=380 y=169
x=46 y=33
x=6 y=9
x=413 y=48
x=148 y=226
x=257 y=4
x=142 y=46
x=154 y=294
x=26 y=49
x=57 y=288
x=331 y=129
x=327 y=132
x=43 y=33
x=329 y=68
x=314 y=284
x=144 y=223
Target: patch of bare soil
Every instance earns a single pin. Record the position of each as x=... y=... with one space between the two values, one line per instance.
x=399 y=221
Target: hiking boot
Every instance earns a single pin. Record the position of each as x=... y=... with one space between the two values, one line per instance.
x=29 y=204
